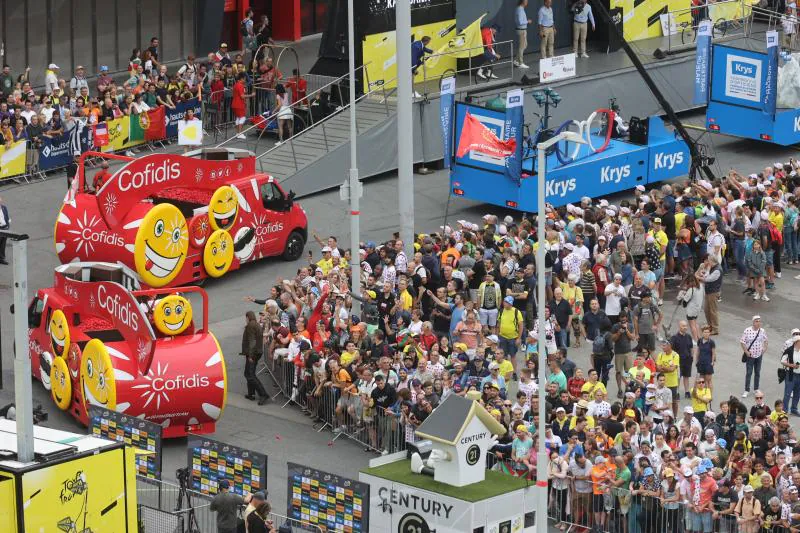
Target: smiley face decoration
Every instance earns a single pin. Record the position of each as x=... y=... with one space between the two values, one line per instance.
x=172 y=315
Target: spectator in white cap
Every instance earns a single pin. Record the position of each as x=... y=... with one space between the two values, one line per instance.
x=51 y=79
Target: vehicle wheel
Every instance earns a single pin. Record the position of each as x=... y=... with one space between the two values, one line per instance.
x=294 y=246
x=720 y=28
x=687 y=34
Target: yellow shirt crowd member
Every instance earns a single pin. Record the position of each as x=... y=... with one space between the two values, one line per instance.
x=326 y=265
x=510 y=320
x=406 y=300
x=661 y=240
x=671 y=359
x=591 y=388
x=776 y=218
x=701 y=397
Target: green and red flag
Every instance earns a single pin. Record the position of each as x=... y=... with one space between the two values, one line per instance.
x=149 y=126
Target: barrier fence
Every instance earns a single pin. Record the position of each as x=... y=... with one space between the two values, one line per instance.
x=23 y=160
x=164 y=508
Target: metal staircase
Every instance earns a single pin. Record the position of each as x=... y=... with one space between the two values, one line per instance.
x=322 y=137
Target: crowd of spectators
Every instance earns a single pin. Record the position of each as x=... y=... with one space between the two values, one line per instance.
x=459 y=315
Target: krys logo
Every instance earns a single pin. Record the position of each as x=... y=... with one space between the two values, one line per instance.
x=609 y=174
x=667 y=161
x=743 y=69
x=560 y=187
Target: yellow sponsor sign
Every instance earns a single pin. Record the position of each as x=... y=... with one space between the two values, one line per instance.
x=8 y=506
x=84 y=494
x=119 y=132
x=380 y=54
x=12 y=160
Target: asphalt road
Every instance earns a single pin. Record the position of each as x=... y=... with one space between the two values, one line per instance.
x=283 y=433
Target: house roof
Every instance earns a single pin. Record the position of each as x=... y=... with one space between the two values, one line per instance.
x=448 y=421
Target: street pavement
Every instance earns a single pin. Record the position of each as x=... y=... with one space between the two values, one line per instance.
x=283 y=433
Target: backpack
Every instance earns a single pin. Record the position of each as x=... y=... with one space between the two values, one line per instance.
x=600 y=345
x=774 y=234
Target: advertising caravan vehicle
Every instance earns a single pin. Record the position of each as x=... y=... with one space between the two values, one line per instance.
x=179 y=219
x=96 y=338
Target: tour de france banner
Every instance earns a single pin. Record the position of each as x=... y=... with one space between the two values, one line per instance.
x=379 y=52
x=403 y=508
x=771 y=76
x=513 y=130
x=12 y=160
x=446 y=103
x=701 y=67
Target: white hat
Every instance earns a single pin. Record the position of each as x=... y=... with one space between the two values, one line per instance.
x=603 y=203
x=508 y=219
x=711 y=414
x=586 y=199
x=569 y=246
x=579 y=212
x=447 y=229
x=599 y=460
x=753 y=176
x=493 y=338
x=362 y=251
x=601 y=237
x=779 y=166
x=760 y=187
x=326 y=249
x=493 y=365
x=640 y=188
x=569 y=207
x=486 y=216
x=610 y=212
x=502 y=230
x=748 y=488
x=625 y=210
x=689 y=410
x=709 y=431
x=463 y=223
x=560 y=223
x=756 y=317
x=561 y=409
x=52 y=66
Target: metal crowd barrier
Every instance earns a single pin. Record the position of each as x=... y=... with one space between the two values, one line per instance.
x=162 y=509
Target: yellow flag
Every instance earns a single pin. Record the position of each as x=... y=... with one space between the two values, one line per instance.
x=467 y=42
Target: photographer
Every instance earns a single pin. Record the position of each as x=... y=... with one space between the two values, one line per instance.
x=227 y=505
x=581 y=17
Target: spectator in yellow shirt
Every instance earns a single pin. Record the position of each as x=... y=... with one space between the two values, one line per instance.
x=701 y=397
x=668 y=362
x=326 y=263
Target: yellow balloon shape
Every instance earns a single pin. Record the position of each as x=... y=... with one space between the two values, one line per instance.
x=222 y=208
x=172 y=314
x=97 y=376
x=59 y=333
x=218 y=253
x=60 y=383
x=162 y=242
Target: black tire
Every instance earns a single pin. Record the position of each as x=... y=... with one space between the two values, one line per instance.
x=294 y=246
x=720 y=28
x=687 y=34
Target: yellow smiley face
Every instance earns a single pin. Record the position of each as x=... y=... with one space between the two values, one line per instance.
x=172 y=315
x=97 y=376
x=218 y=253
x=60 y=383
x=222 y=208
x=162 y=242
x=59 y=333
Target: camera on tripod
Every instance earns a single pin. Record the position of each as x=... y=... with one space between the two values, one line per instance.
x=182 y=475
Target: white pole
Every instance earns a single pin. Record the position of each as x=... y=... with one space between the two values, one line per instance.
x=405 y=147
x=23 y=394
x=541 y=301
x=355 y=190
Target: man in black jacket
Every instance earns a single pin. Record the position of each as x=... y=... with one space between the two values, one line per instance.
x=252 y=349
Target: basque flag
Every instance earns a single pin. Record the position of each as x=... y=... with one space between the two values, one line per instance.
x=101 y=134
x=476 y=137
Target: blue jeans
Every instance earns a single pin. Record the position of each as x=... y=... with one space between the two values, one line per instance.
x=796 y=244
x=791 y=389
x=562 y=338
x=738 y=254
x=789 y=240
x=754 y=365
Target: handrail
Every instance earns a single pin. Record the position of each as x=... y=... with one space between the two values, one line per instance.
x=307 y=98
x=469 y=68
x=380 y=88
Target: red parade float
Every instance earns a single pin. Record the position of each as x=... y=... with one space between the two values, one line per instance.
x=179 y=219
x=96 y=339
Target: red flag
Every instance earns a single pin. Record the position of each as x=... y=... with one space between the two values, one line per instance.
x=157 y=128
x=101 y=134
x=475 y=136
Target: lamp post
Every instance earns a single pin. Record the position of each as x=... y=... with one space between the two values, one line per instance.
x=354 y=184
x=541 y=464
x=545 y=98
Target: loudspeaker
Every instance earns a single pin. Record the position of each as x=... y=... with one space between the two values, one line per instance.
x=533 y=80
x=638 y=130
